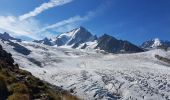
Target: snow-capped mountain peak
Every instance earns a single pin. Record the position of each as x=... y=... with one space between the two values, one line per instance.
x=73 y=32
x=79 y=35
x=76 y=31
x=156 y=43
x=72 y=38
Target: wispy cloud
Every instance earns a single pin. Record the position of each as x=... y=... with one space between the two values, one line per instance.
x=43 y=7
x=75 y=21
x=69 y=21
x=13 y=25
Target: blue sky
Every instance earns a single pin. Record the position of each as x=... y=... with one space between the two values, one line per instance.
x=133 y=20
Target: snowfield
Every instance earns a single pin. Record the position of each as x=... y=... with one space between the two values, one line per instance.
x=96 y=76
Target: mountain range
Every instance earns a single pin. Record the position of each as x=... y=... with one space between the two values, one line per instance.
x=81 y=38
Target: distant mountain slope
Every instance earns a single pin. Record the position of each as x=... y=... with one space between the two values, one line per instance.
x=5 y=36
x=112 y=45
x=81 y=38
x=155 y=43
x=45 y=41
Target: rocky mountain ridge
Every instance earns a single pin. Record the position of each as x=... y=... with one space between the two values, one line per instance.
x=82 y=38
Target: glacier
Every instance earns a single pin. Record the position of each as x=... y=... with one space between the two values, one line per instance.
x=93 y=75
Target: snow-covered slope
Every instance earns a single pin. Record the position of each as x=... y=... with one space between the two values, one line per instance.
x=90 y=75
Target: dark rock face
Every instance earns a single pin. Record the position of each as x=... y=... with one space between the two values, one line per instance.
x=112 y=45
x=162 y=59
x=84 y=46
x=75 y=45
x=6 y=37
x=45 y=41
x=19 y=48
x=6 y=61
x=3 y=90
x=35 y=62
x=61 y=41
x=6 y=57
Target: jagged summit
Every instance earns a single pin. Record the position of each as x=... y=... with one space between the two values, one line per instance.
x=155 y=43
x=112 y=45
x=80 y=35
x=71 y=38
x=76 y=31
x=6 y=37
